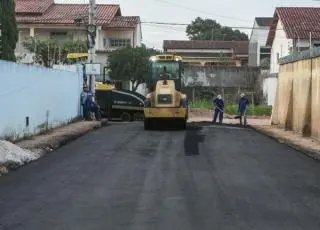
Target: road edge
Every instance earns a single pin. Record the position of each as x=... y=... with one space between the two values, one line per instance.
x=314 y=154
x=71 y=137
x=45 y=149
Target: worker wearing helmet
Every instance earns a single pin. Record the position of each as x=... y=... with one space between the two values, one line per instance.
x=243 y=103
x=219 y=103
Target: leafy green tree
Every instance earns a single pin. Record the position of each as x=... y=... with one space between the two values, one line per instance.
x=208 y=29
x=9 y=31
x=130 y=64
x=48 y=52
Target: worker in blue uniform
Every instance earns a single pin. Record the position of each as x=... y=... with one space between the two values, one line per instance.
x=89 y=105
x=85 y=103
x=219 y=103
x=94 y=108
x=243 y=104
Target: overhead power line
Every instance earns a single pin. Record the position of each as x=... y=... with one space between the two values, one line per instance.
x=167 y=28
x=200 y=11
x=172 y=24
x=186 y=24
x=159 y=23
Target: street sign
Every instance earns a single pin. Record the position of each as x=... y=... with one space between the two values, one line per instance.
x=93 y=68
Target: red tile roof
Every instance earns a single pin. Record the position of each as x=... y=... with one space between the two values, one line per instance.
x=32 y=6
x=124 y=22
x=297 y=22
x=66 y=13
x=47 y=12
x=239 y=47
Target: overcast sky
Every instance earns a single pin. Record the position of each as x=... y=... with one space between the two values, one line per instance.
x=226 y=12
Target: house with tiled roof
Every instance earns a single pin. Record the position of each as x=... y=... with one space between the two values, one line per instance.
x=291 y=30
x=44 y=19
x=207 y=52
x=258 y=50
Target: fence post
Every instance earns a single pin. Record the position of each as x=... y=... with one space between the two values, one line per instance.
x=193 y=93
x=253 y=106
x=223 y=93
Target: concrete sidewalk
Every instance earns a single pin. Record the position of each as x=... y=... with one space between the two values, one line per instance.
x=307 y=145
x=42 y=144
x=61 y=135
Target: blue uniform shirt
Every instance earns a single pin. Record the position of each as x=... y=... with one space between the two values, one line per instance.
x=243 y=103
x=89 y=100
x=84 y=95
x=219 y=103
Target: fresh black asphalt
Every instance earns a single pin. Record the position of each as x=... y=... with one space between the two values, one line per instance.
x=124 y=178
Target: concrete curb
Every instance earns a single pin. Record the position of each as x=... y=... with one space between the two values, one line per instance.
x=71 y=137
x=44 y=149
x=312 y=153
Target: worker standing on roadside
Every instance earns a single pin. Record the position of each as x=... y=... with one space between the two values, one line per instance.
x=219 y=103
x=84 y=102
x=94 y=108
x=243 y=103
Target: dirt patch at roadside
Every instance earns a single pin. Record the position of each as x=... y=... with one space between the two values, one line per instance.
x=58 y=137
x=306 y=145
x=209 y=113
x=61 y=135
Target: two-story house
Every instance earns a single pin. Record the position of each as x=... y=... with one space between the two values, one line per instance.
x=258 y=50
x=259 y=53
x=292 y=30
x=44 y=19
x=214 y=53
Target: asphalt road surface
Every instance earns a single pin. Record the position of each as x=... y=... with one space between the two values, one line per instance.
x=124 y=178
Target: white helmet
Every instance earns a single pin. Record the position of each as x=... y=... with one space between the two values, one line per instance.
x=242 y=95
x=219 y=96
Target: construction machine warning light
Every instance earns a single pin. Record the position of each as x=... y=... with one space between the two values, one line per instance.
x=164 y=57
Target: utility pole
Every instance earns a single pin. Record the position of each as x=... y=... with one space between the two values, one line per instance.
x=91 y=38
x=310 y=43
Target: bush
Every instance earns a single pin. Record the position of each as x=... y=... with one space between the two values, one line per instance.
x=201 y=104
x=257 y=110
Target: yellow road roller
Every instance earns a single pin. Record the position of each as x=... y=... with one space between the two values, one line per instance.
x=165 y=101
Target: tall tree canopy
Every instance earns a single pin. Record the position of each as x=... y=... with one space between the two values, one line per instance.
x=130 y=64
x=208 y=29
x=48 y=52
x=9 y=31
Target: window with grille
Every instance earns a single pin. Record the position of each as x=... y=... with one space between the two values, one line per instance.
x=59 y=35
x=115 y=43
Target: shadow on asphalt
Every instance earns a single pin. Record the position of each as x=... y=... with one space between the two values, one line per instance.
x=166 y=125
x=192 y=139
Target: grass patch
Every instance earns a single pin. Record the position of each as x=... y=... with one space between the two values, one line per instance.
x=257 y=110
